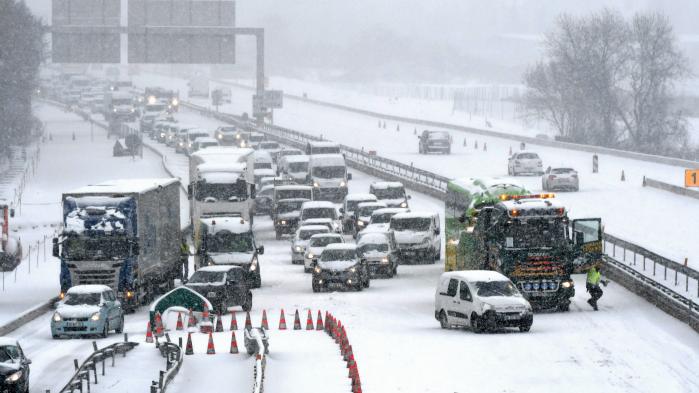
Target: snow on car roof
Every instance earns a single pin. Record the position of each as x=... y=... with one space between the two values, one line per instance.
x=218 y=268
x=311 y=221
x=360 y=197
x=373 y=238
x=327 y=160
x=384 y=185
x=231 y=224
x=291 y=187
x=390 y=210
x=319 y=235
x=476 y=275
x=206 y=139
x=297 y=158
x=124 y=186
x=371 y=204
x=317 y=204
x=408 y=215
x=222 y=167
x=220 y=177
x=6 y=341
x=341 y=246
x=313 y=228
x=93 y=288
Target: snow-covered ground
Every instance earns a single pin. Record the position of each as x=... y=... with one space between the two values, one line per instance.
x=628 y=346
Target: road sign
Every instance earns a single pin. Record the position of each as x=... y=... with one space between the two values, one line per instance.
x=181 y=31
x=691 y=178
x=273 y=98
x=258 y=108
x=85 y=31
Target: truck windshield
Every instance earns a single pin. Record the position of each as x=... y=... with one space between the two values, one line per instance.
x=291 y=194
x=81 y=248
x=418 y=224
x=215 y=192
x=535 y=233
x=298 y=167
x=389 y=193
x=290 y=206
x=75 y=299
x=329 y=172
x=225 y=241
x=496 y=288
x=325 y=150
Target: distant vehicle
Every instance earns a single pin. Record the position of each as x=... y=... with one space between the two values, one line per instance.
x=327 y=173
x=263 y=160
x=524 y=162
x=187 y=139
x=294 y=167
x=202 y=143
x=271 y=147
x=271 y=181
x=380 y=252
x=229 y=240
x=482 y=300
x=392 y=193
x=288 y=191
x=262 y=173
x=560 y=178
x=362 y=215
x=224 y=286
x=14 y=367
x=159 y=94
x=286 y=215
x=322 y=147
x=380 y=220
x=224 y=95
x=348 y=208
x=288 y=151
x=87 y=310
x=339 y=264
x=264 y=199
x=321 y=209
x=435 y=142
x=227 y=136
x=254 y=139
x=316 y=244
x=300 y=241
x=418 y=236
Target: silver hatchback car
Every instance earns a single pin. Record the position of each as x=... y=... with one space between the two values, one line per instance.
x=560 y=178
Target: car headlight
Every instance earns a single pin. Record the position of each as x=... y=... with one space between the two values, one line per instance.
x=175 y=102
x=336 y=226
x=115 y=110
x=360 y=223
x=282 y=222
x=242 y=144
x=95 y=316
x=162 y=135
x=298 y=249
x=220 y=136
x=404 y=204
x=253 y=266
x=316 y=185
x=317 y=269
x=310 y=255
x=14 y=377
x=567 y=284
x=384 y=260
x=237 y=136
x=343 y=184
x=57 y=317
x=353 y=269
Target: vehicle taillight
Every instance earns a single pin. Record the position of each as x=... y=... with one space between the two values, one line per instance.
x=551 y=177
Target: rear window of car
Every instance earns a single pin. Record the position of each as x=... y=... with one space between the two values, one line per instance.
x=528 y=156
x=562 y=170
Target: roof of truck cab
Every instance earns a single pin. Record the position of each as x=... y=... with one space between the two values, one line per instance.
x=531 y=203
x=222 y=167
x=318 y=204
x=327 y=159
x=124 y=186
x=476 y=275
x=390 y=210
x=221 y=151
x=341 y=246
x=323 y=144
x=360 y=197
x=233 y=224
x=220 y=177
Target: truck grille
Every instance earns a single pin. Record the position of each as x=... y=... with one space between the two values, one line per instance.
x=103 y=277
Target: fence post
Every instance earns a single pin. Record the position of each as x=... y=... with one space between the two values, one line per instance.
x=29 y=260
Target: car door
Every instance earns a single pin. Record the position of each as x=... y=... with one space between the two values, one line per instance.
x=452 y=303
x=108 y=297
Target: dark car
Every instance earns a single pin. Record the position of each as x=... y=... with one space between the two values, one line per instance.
x=224 y=286
x=227 y=136
x=340 y=265
x=14 y=367
x=286 y=215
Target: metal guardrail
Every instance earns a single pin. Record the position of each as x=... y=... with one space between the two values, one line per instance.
x=173 y=361
x=256 y=342
x=82 y=373
x=648 y=182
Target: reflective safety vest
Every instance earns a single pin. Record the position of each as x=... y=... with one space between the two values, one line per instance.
x=184 y=249
x=593 y=276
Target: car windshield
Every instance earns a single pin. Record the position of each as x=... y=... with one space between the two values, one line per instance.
x=318 y=212
x=381 y=218
x=389 y=193
x=81 y=248
x=9 y=354
x=329 y=172
x=298 y=167
x=527 y=156
x=263 y=165
x=496 y=288
x=535 y=233
x=338 y=255
x=74 y=299
x=203 y=277
x=291 y=193
x=352 y=204
x=214 y=192
x=372 y=247
x=307 y=233
x=365 y=211
x=225 y=241
x=419 y=224
x=323 y=241
x=289 y=206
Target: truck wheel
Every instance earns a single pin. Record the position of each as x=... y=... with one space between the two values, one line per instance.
x=247 y=305
x=443 y=322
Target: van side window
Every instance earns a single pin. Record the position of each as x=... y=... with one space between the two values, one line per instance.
x=453 y=285
x=465 y=293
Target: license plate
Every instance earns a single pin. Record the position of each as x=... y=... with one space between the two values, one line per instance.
x=410 y=253
x=211 y=294
x=73 y=324
x=511 y=317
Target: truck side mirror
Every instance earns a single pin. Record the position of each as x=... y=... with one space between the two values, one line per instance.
x=189 y=191
x=12 y=212
x=261 y=250
x=349 y=176
x=55 y=247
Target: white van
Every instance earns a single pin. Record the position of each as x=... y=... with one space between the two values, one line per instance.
x=322 y=147
x=294 y=167
x=327 y=173
x=321 y=209
x=418 y=236
x=482 y=299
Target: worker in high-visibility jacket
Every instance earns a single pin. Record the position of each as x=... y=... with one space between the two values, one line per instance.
x=594 y=278
x=184 y=259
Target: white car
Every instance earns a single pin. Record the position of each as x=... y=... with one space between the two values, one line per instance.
x=321 y=209
x=316 y=245
x=524 y=162
x=482 y=299
x=300 y=241
x=560 y=178
x=380 y=220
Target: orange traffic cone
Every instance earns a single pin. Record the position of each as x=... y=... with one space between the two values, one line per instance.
x=189 y=350
x=234 y=343
x=149 y=334
x=158 y=324
x=319 y=322
x=282 y=321
x=297 y=321
x=192 y=322
x=219 y=324
x=348 y=352
x=264 y=323
x=234 y=321
x=180 y=325
x=309 y=321
x=205 y=314
x=248 y=323
x=210 y=349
